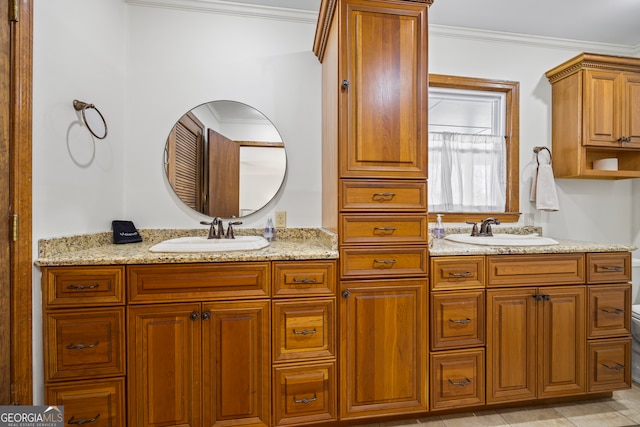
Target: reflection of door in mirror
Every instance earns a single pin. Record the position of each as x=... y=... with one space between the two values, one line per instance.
x=225 y=159
x=185 y=149
x=224 y=176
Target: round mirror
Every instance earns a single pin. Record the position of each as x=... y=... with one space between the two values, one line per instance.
x=225 y=159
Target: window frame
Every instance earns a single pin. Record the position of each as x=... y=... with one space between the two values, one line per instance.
x=511 y=89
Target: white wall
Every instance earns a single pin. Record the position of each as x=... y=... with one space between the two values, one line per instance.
x=179 y=59
x=78 y=181
x=593 y=210
x=144 y=67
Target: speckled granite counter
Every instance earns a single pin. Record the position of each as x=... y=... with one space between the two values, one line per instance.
x=98 y=249
x=442 y=247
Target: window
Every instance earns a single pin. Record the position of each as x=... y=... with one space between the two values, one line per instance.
x=477 y=120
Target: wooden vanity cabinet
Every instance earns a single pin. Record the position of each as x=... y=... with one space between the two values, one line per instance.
x=304 y=343
x=609 y=321
x=84 y=342
x=457 y=332
x=596 y=115
x=374 y=150
x=204 y=360
x=536 y=322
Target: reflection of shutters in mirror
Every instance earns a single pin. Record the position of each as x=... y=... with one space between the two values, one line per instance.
x=184 y=168
x=224 y=176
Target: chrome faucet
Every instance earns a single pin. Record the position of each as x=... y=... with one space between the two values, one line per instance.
x=485 y=227
x=213 y=233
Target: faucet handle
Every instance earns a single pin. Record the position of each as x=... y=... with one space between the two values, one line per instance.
x=474 y=229
x=230 y=225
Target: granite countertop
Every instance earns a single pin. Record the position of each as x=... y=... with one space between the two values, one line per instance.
x=98 y=248
x=443 y=247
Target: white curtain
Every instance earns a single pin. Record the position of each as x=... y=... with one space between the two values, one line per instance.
x=467 y=173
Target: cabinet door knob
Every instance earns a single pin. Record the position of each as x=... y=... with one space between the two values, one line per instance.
x=346 y=294
x=194 y=315
x=345 y=84
x=206 y=315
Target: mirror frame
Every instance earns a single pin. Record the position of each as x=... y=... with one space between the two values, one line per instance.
x=511 y=90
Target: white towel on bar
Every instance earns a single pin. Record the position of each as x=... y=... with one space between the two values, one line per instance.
x=543 y=189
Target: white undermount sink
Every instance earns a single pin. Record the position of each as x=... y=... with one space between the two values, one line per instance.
x=202 y=244
x=503 y=240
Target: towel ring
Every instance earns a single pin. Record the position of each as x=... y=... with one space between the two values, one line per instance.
x=83 y=107
x=537 y=150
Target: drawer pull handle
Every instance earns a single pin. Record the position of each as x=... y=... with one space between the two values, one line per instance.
x=617 y=367
x=81 y=421
x=305 y=332
x=461 y=383
x=618 y=268
x=82 y=287
x=305 y=281
x=387 y=263
x=306 y=400
x=383 y=196
x=392 y=229
x=462 y=321
x=613 y=311
x=73 y=346
x=463 y=275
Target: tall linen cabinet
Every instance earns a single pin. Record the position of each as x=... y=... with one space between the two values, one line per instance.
x=374 y=154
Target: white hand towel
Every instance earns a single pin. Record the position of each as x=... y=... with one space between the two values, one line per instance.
x=543 y=189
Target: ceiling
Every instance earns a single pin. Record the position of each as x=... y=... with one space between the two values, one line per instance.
x=610 y=21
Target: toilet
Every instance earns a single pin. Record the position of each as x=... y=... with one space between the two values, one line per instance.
x=635 y=345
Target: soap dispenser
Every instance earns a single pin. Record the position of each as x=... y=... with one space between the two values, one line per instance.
x=438 y=230
x=269 y=230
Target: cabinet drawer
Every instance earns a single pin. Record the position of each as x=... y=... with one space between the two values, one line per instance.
x=84 y=343
x=457 y=319
x=609 y=365
x=305 y=278
x=457 y=379
x=609 y=267
x=198 y=282
x=304 y=393
x=98 y=403
x=609 y=310
x=82 y=286
x=513 y=270
x=361 y=195
x=392 y=262
x=383 y=229
x=457 y=272
x=303 y=329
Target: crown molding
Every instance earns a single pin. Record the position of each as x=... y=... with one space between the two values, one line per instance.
x=529 y=40
x=230 y=8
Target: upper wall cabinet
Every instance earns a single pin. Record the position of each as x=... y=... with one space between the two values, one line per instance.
x=595 y=116
x=374 y=56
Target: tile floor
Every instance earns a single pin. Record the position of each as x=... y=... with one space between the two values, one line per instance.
x=623 y=409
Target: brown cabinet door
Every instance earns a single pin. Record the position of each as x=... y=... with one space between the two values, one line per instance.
x=631 y=109
x=304 y=393
x=98 y=403
x=383 y=348
x=561 y=341
x=384 y=90
x=602 y=108
x=511 y=345
x=536 y=342
x=164 y=365
x=457 y=319
x=235 y=363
